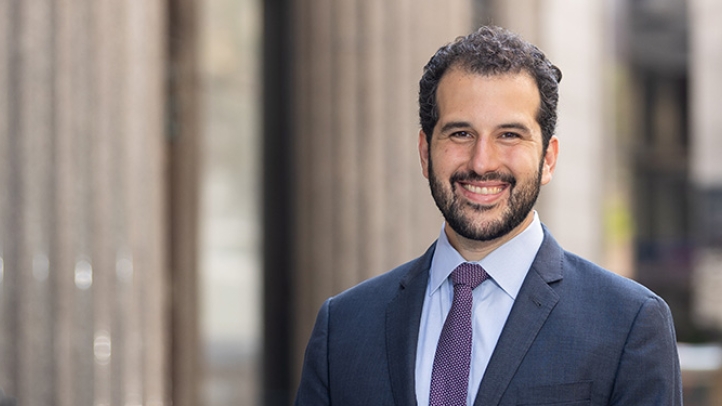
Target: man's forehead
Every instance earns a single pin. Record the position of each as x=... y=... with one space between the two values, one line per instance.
x=459 y=86
x=509 y=100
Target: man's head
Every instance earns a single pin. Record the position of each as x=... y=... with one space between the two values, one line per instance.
x=491 y=51
x=488 y=110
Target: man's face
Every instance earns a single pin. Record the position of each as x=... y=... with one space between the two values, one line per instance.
x=485 y=164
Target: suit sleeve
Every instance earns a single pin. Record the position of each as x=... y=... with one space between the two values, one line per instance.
x=649 y=371
x=314 y=387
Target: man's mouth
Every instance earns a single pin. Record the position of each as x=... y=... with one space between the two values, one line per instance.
x=489 y=184
x=483 y=190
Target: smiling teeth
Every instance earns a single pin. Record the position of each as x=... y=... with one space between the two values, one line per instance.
x=486 y=190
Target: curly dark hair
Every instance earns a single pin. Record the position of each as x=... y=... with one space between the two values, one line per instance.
x=491 y=51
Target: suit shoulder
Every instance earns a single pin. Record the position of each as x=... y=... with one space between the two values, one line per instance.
x=387 y=284
x=580 y=278
x=599 y=281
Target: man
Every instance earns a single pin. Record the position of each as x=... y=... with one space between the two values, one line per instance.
x=495 y=312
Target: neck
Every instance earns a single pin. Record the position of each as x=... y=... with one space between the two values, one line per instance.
x=474 y=250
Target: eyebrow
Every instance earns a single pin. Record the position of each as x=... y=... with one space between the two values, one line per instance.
x=514 y=126
x=455 y=125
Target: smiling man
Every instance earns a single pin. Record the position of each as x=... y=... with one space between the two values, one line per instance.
x=495 y=312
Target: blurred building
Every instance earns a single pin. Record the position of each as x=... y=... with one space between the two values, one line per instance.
x=183 y=182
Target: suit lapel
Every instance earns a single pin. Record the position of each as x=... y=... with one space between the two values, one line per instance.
x=403 y=316
x=532 y=307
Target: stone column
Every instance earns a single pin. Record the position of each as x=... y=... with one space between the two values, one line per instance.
x=361 y=204
x=706 y=166
x=185 y=148
x=83 y=274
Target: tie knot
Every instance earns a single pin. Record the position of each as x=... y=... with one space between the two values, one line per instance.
x=469 y=274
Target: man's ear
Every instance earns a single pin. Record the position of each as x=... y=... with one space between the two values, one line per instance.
x=424 y=153
x=550 y=160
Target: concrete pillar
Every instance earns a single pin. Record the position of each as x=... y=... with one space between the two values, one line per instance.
x=184 y=165
x=706 y=166
x=82 y=215
x=362 y=205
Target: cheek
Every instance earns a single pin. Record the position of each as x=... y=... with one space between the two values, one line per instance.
x=524 y=163
x=441 y=165
x=449 y=156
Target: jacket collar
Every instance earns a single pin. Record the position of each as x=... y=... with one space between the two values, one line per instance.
x=530 y=311
x=403 y=316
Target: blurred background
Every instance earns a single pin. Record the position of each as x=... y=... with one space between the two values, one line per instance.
x=183 y=182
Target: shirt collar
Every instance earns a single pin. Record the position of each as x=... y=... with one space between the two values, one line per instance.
x=506 y=265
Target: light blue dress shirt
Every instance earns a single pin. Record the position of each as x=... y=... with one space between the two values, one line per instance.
x=507 y=266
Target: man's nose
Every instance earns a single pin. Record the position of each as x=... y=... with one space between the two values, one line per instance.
x=484 y=156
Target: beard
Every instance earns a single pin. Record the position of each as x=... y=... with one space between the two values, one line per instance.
x=467 y=218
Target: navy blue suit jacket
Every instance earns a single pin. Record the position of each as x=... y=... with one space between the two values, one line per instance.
x=576 y=335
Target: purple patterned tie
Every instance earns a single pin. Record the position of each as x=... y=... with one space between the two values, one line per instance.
x=450 y=374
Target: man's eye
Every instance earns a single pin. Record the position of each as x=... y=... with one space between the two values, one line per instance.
x=510 y=135
x=461 y=134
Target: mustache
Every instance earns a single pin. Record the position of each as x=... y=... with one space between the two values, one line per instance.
x=472 y=176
